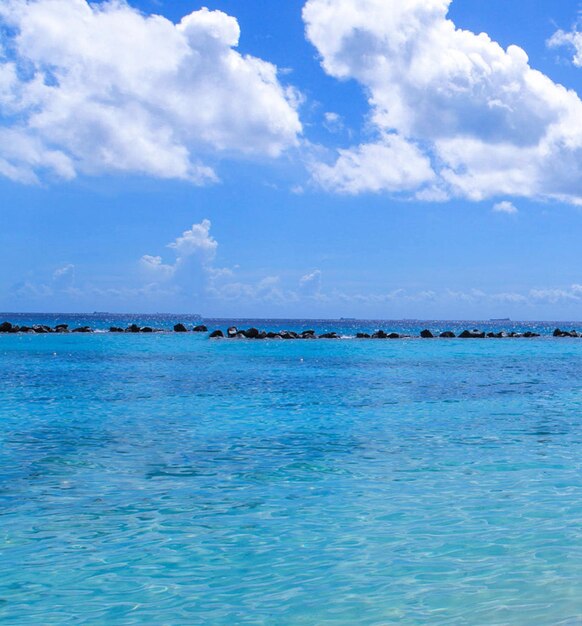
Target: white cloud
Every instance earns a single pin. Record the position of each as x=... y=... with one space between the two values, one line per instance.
x=197 y=240
x=310 y=284
x=390 y=165
x=94 y=88
x=572 y=40
x=505 y=207
x=478 y=116
x=195 y=243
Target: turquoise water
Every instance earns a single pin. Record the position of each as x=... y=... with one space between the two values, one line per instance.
x=169 y=479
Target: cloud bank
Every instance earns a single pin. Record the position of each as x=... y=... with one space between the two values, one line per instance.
x=101 y=88
x=453 y=113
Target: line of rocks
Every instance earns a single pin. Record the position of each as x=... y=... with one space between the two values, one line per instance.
x=42 y=329
x=253 y=333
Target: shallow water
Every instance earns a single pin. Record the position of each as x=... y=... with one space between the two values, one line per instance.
x=169 y=479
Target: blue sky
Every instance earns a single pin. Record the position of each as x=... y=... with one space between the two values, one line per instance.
x=362 y=158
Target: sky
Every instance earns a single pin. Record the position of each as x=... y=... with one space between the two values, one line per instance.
x=307 y=158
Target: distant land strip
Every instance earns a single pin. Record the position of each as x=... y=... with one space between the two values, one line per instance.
x=254 y=333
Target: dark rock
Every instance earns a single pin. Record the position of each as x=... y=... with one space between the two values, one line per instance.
x=308 y=332
x=558 y=333
x=426 y=334
x=180 y=328
x=41 y=329
x=472 y=334
x=252 y=333
x=329 y=336
x=62 y=328
x=200 y=329
x=134 y=328
x=6 y=327
x=379 y=334
x=216 y=333
x=115 y=329
x=262 y=335
x=272 y=335
x=393 y=336
x=232 y=331
x=82 y=329
x=530 y=335
x=147 y=329
x=448 y=334
x=363 y=336
x=22 y=329
x=241 y=334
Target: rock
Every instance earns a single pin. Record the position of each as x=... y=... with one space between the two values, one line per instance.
x=329 y=336
x=200 y=329
x=252 y=333
x=62 y=328
x=379 y=334
x=308 y=332
x=272 y=335
x=426 y=334
x=216 y=333
x=115 y=329
x=232 y=331
x=147 y=329
x=558 y=333
x=41 y=329
x=262 y=335
x=363 y=336
x=448 y=334
x=134 y=328
x=241 y=334
x=529 y=334
x=472 y=334
x=180 y=328
x=82 y=329
x=6 y=327
x=22 y=329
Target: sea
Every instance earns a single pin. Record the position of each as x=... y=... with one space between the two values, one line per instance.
x=168 y=479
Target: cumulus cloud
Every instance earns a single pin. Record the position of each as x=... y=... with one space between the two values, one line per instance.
x=454 y=113
x=505 y=207
x=100 y=87
x=195 y=243
x=572 y=40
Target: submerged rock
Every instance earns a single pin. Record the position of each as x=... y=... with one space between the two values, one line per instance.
x=180 y=328
x=146 y=329
x=394 y=336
